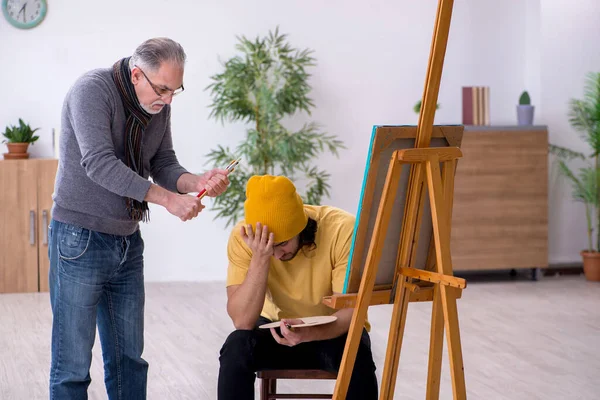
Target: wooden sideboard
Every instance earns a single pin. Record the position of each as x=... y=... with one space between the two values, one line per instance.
x=500 y=212
x=499 y=217
x=25 y=206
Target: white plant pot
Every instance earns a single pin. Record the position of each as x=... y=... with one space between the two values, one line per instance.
x=525 y=114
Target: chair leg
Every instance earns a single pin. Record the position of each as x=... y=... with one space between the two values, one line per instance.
x=268 y=387
x=272 y=387
x=264 y=389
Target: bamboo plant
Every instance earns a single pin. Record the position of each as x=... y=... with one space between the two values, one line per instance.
x=264 y=83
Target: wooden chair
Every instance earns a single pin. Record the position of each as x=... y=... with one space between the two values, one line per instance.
x=268 y=385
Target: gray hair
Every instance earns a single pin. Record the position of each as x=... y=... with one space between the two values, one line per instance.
x=153 y=52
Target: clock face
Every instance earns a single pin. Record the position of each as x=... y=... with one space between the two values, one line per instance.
x=24 y=14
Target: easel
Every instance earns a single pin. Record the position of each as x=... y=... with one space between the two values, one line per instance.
x=407 y=285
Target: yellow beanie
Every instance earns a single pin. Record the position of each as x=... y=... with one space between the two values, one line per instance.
x=273 y=201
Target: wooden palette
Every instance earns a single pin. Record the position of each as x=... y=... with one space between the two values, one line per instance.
x=308 y=321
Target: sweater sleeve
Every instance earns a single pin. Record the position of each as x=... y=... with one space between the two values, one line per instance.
x=89 y=111
x=165 y=167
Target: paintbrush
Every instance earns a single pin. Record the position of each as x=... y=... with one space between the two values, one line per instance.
x=230 y=168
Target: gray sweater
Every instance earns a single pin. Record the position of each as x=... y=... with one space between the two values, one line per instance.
x=92 y=181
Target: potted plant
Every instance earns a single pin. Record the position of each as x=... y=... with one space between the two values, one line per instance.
x=18 y=139
x=584 y=116
x=525 y=110
x=264 y=84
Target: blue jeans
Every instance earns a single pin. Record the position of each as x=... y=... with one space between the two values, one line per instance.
x=96 y=278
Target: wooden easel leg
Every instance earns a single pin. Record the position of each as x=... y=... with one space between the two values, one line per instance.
x=365 y=291
x=436 y=347
x=441 y=233
x=409 y=237
x=454 y=347
x=392 y=357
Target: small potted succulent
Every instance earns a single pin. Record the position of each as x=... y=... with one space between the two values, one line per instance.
x=18 y=139
x=525 y=110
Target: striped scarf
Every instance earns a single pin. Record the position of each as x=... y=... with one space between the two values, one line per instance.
x=137 y=121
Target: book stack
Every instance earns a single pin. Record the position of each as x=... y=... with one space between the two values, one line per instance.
x=476 y=105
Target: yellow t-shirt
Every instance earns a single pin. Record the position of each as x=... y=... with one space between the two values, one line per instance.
x=296 y=288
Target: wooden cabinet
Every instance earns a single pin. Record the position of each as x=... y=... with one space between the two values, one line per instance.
x=25 y=206
x=500 y=212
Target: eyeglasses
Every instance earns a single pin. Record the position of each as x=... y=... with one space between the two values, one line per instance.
x=160 y=92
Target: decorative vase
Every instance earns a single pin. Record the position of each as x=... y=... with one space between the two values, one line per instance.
x=525 y=114
x=591 y=265
x=16 y=151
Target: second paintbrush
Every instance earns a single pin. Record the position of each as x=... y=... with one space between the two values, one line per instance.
x=230 y=168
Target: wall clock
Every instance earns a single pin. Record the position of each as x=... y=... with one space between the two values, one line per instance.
x=24 y=14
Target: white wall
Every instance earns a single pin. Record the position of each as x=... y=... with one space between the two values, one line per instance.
x=372 y=58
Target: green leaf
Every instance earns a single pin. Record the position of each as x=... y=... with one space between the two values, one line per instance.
x=417 y=106
x=584 y=114
x=585 y=185
x=524 y=99
x=20 y=134
x=564 y=153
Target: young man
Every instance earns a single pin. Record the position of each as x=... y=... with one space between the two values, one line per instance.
x=116 y=133
x=283 y=259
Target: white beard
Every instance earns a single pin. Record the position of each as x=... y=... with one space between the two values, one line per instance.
x=148 y=108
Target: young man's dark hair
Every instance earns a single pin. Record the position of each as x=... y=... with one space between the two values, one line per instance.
x=308 y=235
